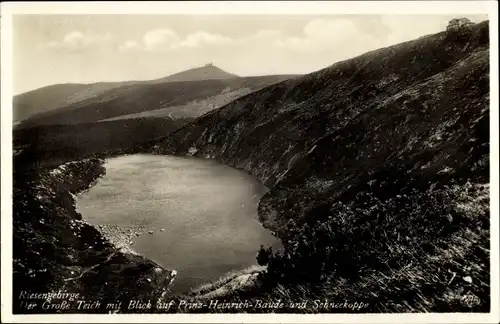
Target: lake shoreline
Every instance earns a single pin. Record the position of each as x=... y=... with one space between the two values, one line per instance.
x=130 y=238
x=44 y=209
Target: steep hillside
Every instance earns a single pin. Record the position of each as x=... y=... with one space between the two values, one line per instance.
x=378 y=168
x=148 y=96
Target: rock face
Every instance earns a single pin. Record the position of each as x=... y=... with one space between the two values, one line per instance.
x=404 y=120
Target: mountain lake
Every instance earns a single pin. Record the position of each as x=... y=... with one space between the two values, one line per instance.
x=200 y=216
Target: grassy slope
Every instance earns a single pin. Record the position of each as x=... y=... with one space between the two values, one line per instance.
x=145 y=96
x=59 y=95
x=377 y=168
x=51 y=97
x=192 y=109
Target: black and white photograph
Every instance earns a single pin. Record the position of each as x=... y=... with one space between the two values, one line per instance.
x=271 y=164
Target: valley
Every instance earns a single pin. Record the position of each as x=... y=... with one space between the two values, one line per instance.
x=377 y=170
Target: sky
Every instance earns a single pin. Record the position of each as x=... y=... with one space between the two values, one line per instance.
x=51 y=49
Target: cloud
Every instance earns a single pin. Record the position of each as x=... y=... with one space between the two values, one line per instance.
x=338 y=29
x=331 y=40
x=77 y=41
x=160 y=39
x=322 y=42
x=403 y=28
x=319 y=43
x=407 y=27
x=129 y=45
x=342 y=36
x=201 y=38
x=317 y=36
x=166 y=40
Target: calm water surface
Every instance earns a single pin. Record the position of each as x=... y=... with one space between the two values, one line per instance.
x=208 y=212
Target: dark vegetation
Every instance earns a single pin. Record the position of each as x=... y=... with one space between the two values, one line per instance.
x=378 y=169
x=51 y=145
x=55 y=251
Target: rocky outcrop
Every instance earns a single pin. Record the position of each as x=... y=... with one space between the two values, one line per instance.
x=56 y=251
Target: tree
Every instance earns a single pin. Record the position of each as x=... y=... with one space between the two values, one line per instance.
x=458 y=23
x=264 y=255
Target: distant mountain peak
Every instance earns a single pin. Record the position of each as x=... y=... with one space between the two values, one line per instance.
x=206 y=72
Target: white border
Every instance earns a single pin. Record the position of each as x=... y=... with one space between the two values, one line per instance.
x=241 y=7
x=253 y=7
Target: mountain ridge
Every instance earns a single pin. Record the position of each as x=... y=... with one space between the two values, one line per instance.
x=138 y=98
x=55 y=96
x=206 y=72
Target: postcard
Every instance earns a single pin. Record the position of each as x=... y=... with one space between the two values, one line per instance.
x=250 y=162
